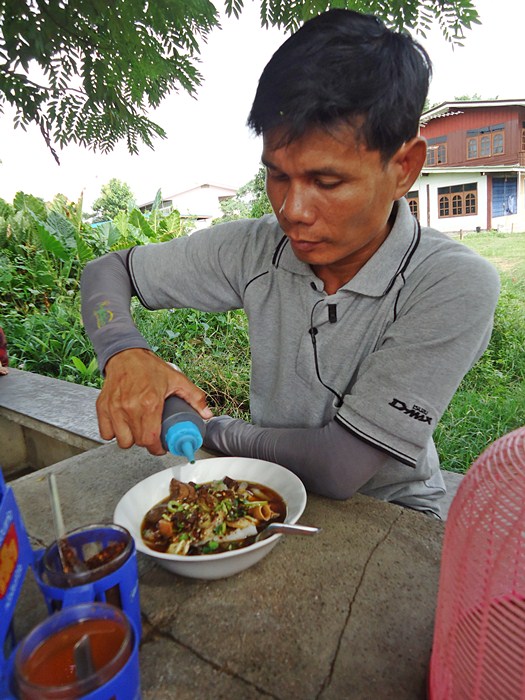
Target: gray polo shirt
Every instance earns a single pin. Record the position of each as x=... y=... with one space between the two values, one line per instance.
x=383 y=355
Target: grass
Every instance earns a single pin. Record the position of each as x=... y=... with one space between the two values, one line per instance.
x=505 y=250
x=490 y=401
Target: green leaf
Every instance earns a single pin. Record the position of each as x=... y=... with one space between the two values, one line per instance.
x=50 y=243
x=157 y=202
x=138 y=219
x=104 y=66
x=79 y=364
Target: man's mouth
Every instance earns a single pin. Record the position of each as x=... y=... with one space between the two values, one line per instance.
x=304 y=246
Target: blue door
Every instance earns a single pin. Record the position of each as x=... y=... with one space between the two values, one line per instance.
x=504 y=196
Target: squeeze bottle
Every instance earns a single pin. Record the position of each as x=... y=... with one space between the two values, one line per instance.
x=182 y=429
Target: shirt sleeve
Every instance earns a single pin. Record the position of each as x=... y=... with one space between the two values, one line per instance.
x=106 y=292
x=440 y=330
x=328 y=460
x=205 y=271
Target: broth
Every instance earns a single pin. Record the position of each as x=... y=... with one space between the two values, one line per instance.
x=53 y=664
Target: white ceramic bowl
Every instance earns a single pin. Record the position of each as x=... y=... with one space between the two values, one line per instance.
x=134 y=505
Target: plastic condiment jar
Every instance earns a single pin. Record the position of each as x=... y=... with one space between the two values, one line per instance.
x=47 y=668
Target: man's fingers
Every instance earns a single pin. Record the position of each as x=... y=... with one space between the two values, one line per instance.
x=123 y=435
x=193 y=396
x=130 y=404
x=105 y=424
x=114 y=422
x=203 y=408
x=147 y=433
x=115 y=426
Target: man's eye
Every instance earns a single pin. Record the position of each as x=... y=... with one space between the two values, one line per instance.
x=276 y=175
x=328 y=184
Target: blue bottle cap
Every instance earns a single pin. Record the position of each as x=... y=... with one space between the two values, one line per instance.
x=184 y=439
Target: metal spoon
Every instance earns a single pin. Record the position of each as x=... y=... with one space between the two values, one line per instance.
x=58 y=520
x=286 y=529
x=68 y=558
x=84 y=665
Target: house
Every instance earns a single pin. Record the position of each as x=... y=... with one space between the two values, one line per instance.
x=200 y=203
x=474 y=176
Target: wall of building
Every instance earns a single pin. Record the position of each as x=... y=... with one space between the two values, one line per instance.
x=456 y=125
x=427 y=188
x=201 y=201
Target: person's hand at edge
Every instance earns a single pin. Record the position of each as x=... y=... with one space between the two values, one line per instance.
x=131 y=401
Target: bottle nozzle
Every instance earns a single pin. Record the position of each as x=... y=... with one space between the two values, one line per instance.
x=187 y=450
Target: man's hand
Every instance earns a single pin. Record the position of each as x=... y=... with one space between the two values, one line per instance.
x=130 y=404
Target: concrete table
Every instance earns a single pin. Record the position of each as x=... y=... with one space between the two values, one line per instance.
x=346 y=615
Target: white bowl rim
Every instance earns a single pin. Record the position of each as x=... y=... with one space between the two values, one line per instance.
x=209 y=463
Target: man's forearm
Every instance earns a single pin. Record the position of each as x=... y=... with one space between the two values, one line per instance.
x=106 y=297
x=329 y=460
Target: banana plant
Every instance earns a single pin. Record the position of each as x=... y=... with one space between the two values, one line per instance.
x=59 y=238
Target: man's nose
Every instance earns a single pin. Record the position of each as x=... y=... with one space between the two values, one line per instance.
x=297 y=206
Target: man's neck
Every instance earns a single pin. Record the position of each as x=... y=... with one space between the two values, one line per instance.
x=336 y=275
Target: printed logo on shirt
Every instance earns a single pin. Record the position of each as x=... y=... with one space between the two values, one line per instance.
x=103 y=314
x=416 y=412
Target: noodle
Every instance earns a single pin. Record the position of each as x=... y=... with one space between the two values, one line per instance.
x=210 y=517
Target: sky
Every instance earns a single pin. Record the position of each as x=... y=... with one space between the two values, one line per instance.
x=208 y=141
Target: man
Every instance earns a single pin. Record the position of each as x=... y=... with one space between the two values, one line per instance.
x=362 y=324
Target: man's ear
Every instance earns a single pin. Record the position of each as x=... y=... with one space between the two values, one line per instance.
x=408 y=161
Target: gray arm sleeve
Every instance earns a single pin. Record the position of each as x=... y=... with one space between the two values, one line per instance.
x=330 y=461
x=106 y=291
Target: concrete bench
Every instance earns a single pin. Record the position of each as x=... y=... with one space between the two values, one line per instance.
x=43 y=421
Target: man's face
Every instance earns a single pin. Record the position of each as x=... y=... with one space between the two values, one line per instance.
x=333 y=198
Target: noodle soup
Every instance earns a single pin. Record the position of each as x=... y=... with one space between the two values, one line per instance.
x=210 y=517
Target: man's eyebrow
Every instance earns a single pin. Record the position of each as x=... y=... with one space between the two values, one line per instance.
x=327 y=171
x=267 y=163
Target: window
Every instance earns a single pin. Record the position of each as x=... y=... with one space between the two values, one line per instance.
x=484 y=146
x=442 y=153
x=457 y=205
x=444 y=206
x=458 y=200
x=486 y=142
x=436 y=151
x=470 y=203
x=413 y=202
x=497 y=143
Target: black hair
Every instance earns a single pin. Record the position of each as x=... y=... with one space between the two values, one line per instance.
x=344 y=67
